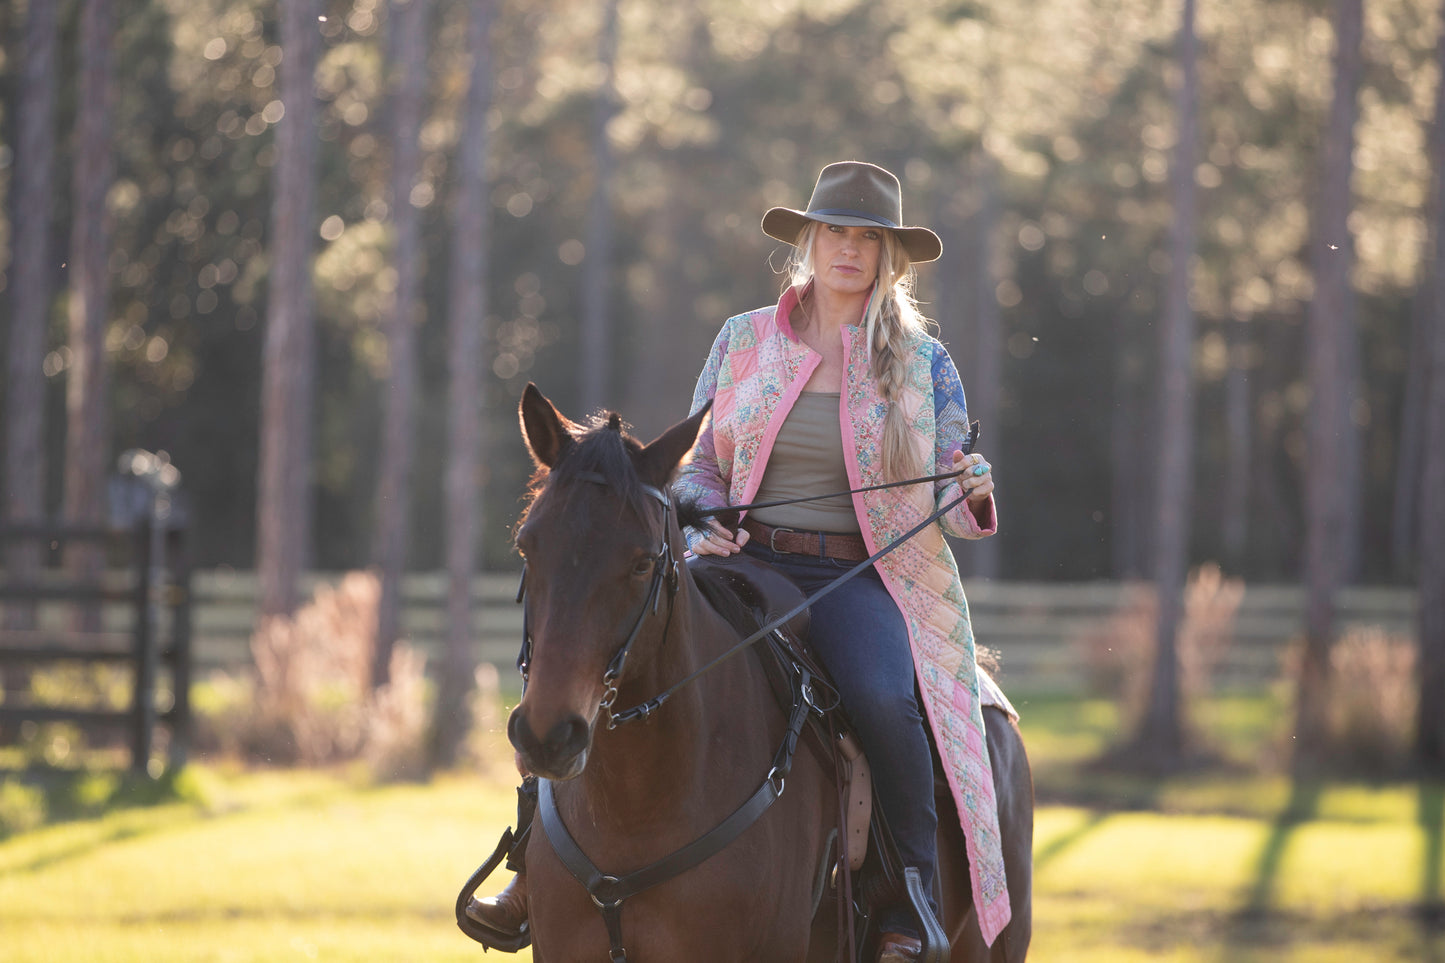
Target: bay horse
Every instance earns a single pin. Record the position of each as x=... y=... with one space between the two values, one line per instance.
x=613 y=619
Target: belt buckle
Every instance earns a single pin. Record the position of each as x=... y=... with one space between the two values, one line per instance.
x=773 y=540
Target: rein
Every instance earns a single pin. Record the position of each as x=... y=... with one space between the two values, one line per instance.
x=969 y=440
x=666 y=564
x=645 y=709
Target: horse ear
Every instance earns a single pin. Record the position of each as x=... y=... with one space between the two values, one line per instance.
x=545 y=431
x=660 y=458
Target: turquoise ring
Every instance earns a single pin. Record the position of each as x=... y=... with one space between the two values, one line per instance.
x=979 y=470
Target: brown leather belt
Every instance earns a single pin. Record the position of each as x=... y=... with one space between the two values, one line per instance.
x=797 y=541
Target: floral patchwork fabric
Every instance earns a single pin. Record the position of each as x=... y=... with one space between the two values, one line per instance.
x=753 y=374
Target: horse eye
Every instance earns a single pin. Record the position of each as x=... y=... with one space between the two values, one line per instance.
x=643 y=566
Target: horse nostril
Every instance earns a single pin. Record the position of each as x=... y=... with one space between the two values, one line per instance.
x=519 y=734
x=567 y=737
x=560 y=755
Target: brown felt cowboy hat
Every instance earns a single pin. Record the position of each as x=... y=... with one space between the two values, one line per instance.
x=855 y=194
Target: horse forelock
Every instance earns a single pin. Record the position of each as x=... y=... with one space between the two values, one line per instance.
x=604 y=450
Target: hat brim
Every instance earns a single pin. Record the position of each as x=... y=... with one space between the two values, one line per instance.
x=785 y=224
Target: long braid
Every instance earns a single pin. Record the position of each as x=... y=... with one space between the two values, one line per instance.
x=894 y=322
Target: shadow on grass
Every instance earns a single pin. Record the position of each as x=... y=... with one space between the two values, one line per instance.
x=1303 y=805
x=1431 y=816
x=124 y=805
x=1066 y=841
x=1250 y=924
x=72 y=796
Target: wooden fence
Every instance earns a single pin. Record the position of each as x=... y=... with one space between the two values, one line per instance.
x=1049 y=636
x=141 y=605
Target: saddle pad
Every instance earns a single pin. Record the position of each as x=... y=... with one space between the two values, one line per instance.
x=992 y=695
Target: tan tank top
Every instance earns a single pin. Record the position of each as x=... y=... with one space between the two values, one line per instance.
x=807 y=459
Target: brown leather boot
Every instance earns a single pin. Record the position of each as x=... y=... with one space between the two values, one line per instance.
x=505 y=913
x=897 y=948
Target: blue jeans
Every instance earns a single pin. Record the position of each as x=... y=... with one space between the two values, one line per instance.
x=861 y=636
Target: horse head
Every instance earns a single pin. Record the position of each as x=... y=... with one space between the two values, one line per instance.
x=598 y=539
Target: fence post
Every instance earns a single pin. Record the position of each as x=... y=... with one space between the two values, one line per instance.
x=180 y=652
x=143 y=707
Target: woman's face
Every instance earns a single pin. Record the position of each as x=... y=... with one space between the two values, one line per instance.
x=845 y=258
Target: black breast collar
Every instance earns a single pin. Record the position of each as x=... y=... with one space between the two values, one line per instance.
x=609 y=892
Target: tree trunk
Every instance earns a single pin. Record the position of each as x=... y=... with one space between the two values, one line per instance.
x=955 y=204
x=467 y=316
x=1425 y=308
x=1129 y=488
x=1278 y=551
x=87 y=440
x=1330 y=337
x=596 y=342
x=287 y=376
x=1239 y=445
x=1410 y=448
x=985 y=386
x=1352 y=447
x=1162 y=735
x=1430 y=735
x=652 y=389
x=33 y=288
x=660 y=379
x=410 y=19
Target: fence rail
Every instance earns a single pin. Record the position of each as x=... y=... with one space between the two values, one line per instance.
x=1042 y=631
x=138 y=617
x=1045 y=632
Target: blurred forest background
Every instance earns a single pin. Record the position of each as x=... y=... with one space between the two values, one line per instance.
x=313 y=251
x=1048 y=123
x=308 y=252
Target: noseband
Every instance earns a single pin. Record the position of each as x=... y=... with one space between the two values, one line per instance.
x=664 y=570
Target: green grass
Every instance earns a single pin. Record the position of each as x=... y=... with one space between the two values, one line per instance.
x=1207 y=868
x=275 y=866
x=1230 y=863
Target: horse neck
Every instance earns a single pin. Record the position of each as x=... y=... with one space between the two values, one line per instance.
x=669 y=762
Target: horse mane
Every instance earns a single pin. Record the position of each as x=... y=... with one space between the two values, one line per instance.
x=726 y=599
x=689 y=513
x=604 y=449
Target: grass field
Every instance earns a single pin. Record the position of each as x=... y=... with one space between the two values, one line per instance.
x=271 y=866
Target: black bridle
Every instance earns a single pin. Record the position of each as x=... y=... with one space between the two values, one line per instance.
x=664 y=572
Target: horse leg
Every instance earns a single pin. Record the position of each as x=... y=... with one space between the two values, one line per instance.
x=1014 y=790
x=960 y=921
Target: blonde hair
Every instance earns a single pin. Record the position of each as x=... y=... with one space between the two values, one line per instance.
x=892 y=324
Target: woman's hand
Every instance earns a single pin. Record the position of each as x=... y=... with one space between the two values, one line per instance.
x=717 y=540
x=977 y=478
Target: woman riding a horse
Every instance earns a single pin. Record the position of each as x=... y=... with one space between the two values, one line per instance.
x=839 y=386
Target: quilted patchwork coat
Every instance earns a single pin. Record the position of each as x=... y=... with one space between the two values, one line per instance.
x=754 y=374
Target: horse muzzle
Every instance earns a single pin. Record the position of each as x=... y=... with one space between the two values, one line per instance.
x=559 y=755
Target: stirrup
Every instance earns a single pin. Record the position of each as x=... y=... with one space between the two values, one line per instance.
x=485 y=935
x=935 y=941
